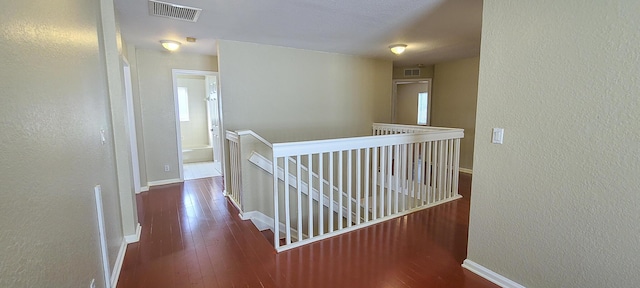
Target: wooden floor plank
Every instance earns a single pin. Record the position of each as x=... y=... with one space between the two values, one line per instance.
x=192 y=237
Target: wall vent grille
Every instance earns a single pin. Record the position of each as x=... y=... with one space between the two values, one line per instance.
x=173 y=11
x=412 y=72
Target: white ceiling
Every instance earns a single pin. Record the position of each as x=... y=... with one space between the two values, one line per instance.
x=434 y=30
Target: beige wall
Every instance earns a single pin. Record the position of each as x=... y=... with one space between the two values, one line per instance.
x=54 y=103
x=194 y=132
x=455 y=90
x=157 y=106
x=425 y=72
x=407 y=102
x=557 y=205
x=289 y=94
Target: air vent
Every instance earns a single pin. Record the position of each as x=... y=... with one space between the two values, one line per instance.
x=174 y=11
x=412 y=72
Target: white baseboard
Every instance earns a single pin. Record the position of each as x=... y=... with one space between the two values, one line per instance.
x=134 y=237
x=144 y=189
x=164 y=182
x=115 y=273
x=261 y=221
x=264 y=222
x=490 y=275
x=466 y=170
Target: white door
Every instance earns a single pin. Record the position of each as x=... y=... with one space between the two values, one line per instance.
x=214 y=116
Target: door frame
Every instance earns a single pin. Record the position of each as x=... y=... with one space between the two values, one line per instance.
x=131 y=121
x=394 y=97
x=174 y=75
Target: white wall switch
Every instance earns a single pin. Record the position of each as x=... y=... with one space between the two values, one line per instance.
x=498 y=135
x=167 y=168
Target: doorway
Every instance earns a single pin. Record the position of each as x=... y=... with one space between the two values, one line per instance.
x=198 y=123
x=412 y=102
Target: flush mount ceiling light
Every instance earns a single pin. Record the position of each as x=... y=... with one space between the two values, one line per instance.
x=397 y=48
x=170 y=44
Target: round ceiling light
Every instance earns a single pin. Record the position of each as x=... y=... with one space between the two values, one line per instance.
x=170 y=45
x=398 y=48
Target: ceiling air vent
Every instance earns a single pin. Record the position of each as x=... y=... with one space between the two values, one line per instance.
x=174 y=11
x=412 y=72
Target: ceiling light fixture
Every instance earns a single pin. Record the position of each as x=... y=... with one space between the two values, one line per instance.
x=397 y=48
x=170 y=45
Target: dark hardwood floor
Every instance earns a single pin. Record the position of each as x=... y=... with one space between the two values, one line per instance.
x=192 y=237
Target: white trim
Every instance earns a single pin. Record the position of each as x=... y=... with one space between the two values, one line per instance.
x=261 y=221
x=264 y=222
x=232 y=201
x=352 y=143
x=494 y=277
x=131 y=122
x=164 y=182
x=250 y=132
x=466 y=170
x=102 y=235
x=118 y=265
x=145 y=188
x=133 y=238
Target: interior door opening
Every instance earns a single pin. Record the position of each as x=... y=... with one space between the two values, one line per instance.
x=412 y=101
x=198 y=124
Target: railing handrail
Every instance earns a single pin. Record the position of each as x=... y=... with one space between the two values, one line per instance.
x=329 y=145
x=254 y=134
x=415 y=127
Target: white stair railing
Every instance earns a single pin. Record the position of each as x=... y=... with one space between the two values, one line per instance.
x=266 y=165
x=235 y=161
x=388 y=176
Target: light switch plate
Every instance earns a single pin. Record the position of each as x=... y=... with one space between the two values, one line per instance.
x=498 y=135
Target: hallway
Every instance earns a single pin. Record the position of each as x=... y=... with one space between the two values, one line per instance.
x=192 y=237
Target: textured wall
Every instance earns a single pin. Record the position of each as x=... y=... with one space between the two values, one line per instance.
x=558 y=204
x=455 y=90
x=287 y=94
x=54 y=103
x=157 y=106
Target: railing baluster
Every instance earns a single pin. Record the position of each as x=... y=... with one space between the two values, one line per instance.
x=349 y=184
x=276 y=204
x=374 y=183
x=450 y=170
x=441 y=167
x=299 y=198
x=330 y=191
x=456 y=164
x=424 y=175
x=413 y=156
x=383 y=176
x=310 y=195
x=399 y=176
x=434 y=171
x=366 y=184
x=359 y=185
x=287 y=203
x=340 y=189
x=320 y=194
x=390 y=160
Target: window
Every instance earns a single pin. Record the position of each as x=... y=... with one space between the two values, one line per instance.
x=183 y=103
x=423 y=102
